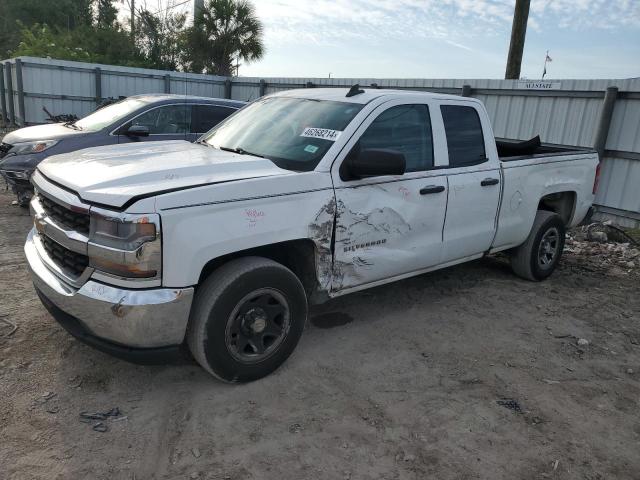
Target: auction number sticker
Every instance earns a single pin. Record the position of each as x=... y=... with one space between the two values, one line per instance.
x=324 y=133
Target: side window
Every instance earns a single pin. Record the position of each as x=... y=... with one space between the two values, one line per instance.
x=205 y=117
x=464 y=135
x=170 y=119
x=407 y=129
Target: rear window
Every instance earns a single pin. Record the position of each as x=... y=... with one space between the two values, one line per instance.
x=464 y=135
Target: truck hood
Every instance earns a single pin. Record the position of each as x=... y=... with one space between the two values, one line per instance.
x=53 y=131
x=117 y=174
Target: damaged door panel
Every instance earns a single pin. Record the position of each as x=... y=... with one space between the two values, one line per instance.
x=388 y=225
x=322 y=232
x=386 y=229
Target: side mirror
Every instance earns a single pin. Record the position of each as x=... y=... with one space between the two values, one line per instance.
x=373 y=162
x=137 y=131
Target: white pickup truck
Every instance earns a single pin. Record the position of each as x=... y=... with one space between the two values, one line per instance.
x=141 y=249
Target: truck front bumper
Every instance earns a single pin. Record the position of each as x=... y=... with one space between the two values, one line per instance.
x=144 y=326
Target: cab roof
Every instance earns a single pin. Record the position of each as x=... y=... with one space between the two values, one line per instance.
x=369 y=94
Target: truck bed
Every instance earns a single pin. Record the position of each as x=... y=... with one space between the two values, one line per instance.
x=532 y=172
x=510 y=150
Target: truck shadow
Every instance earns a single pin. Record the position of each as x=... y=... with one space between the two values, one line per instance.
x=433 y=286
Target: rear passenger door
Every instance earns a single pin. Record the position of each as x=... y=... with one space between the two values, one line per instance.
x=205 y=117
x=474 y=183
x=389 y=226
x=165 y=122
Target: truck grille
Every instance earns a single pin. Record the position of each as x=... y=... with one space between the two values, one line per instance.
x=74 y=220
x=72 y=262
x=4 y=149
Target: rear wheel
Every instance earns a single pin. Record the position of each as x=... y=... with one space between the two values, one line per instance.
x=539 y=255
x=247 y=319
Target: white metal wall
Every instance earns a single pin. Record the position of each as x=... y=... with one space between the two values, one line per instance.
x=70 y=87
x=568 y=116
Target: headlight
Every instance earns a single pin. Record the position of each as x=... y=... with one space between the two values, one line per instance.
x=23 y=175
x=31 y=147
x=127 y=246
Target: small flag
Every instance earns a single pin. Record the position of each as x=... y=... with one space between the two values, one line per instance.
x=548 y=59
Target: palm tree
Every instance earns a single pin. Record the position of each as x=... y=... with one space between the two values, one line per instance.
x=224 y=32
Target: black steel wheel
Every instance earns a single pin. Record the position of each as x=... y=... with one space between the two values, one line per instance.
x=539 y=255
x=246 y=319
x=257 y=325
x=549 y=247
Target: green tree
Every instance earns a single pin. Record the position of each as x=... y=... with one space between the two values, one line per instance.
x=224 y=32
x=40 y=40
x=84 y=44
x=100 y=40
x=107 y=14
x=58 y=15
x=159 y=38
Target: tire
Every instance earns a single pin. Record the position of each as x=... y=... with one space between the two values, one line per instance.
x=533 y=259
x=23 y=197
x=247 y=305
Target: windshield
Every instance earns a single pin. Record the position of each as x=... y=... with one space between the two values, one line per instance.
x=111 y=113
x=293 y=133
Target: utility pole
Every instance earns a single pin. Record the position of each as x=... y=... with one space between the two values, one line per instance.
x=133 y=21
x=518 y=32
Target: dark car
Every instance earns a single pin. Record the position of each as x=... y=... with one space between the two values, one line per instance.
x=138 y=118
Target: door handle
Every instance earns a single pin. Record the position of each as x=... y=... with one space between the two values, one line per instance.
x=489 y=181
x=431 y=189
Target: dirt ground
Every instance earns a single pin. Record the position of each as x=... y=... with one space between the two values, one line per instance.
x=412 y=380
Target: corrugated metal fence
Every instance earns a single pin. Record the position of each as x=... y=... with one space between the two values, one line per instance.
x=589 y=113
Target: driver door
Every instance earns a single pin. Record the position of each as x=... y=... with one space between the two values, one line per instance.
x=166 y=122
x=390 y=226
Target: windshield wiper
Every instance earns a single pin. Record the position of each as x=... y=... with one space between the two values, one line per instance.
x=241 y=151
x=72 y=125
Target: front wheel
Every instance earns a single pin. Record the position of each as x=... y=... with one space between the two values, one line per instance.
x=23 y=197
x=246 y=319
x=539 y=255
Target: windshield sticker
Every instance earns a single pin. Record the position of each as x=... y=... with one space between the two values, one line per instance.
x=324 y=133
x=311 y=149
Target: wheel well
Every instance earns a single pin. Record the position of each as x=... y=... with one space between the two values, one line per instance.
x=562 y=203
x=299 y=256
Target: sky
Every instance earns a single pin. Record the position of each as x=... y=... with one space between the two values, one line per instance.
x=445 y=38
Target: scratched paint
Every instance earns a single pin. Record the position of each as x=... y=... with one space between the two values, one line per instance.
x=358 y=236
x=359 y=231
x=343 y=274
x=120 y=310
x=321 y=232
x=357 y=228
x=404 y=191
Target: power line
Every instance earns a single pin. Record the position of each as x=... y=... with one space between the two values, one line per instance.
x=162 y=10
